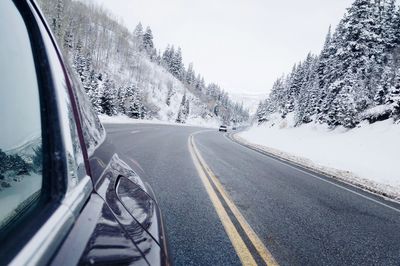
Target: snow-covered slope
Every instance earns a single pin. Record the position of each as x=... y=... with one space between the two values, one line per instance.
x=366 y=155
x=123 y=73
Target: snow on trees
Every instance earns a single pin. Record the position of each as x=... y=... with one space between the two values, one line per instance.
x=148 y=41
x=356 y=71
x=122 y=72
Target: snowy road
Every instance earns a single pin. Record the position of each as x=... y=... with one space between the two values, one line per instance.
x=299 y=217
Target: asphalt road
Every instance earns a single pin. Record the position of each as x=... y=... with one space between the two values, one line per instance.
x=302 y=218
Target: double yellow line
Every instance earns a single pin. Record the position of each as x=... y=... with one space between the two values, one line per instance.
x=238 y=243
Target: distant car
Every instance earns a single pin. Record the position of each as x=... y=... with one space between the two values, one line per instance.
x=66 y=195
x=223 y=128
x=234 y=128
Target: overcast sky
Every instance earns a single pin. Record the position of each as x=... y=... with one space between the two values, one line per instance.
x=243 y=45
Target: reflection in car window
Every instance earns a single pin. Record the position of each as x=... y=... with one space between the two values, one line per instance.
x=93 y=130
x=75 y=161
x=20 y=134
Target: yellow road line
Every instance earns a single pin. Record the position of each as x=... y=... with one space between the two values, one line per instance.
x=258 y=244
x=238 y=244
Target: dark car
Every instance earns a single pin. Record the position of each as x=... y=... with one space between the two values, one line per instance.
x=67 y=196
x=223 y=128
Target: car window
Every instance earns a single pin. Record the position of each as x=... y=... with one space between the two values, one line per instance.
x=72 y=145
x=93 y=131
x=20 y=120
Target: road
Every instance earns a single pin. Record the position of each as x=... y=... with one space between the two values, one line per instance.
x=300 y=217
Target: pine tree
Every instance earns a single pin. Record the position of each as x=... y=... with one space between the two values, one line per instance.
x=167 y=57
x=80 y=63
x=148 y=41
x=128 y=102
x=120 y=100
x=261 y=113
x=323 y=63
x=182 y=110
x=361 y=35
x=107 y=100
x=176 y=66
x=138 y=37
x=383 y=86
x=393 y=97
x=190 y=75
x=387 y=23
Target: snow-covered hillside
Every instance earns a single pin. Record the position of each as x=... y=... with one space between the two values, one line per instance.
x=339 y=111
x=366 y=155
x=123 y=72
x=356 y=77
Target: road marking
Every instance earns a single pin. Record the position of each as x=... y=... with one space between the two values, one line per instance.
x=283 y=161
x=239 y=245
x=135 y=131
x=137 y=164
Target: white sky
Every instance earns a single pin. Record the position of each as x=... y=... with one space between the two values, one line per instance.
x=243 y=45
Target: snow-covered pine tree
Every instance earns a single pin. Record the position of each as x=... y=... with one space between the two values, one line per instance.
x=261 y=113
x=190 y=75
x=107 y=99
x=176 y=66
x=182 y=110
x=393 y=97
x=138 y=36
x=388 y=27
x=79 y=60
x=148 y=41
x=384 y=85
x=168 y=56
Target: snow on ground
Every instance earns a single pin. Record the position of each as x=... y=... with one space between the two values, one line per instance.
x=123 y=119
x=11 y=197
x=367 y=155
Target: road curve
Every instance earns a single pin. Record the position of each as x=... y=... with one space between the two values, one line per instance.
x=299 y=217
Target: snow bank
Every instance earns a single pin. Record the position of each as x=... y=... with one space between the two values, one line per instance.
x=367 y=155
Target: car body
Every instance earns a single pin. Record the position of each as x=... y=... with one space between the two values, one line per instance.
x=90 y=206
x=223 y=128
x=234 y=128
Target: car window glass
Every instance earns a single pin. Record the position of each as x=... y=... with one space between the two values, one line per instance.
x=20 y=123
x=74 y=155
x=93 y=130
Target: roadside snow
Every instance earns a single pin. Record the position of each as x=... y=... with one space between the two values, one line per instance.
x=11 y=197
x=190 y=122
x=367 y=155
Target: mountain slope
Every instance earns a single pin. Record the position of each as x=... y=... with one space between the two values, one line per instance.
x=123 y=73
